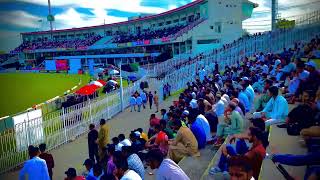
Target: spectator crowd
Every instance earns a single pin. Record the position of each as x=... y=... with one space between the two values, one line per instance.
x=236 y=106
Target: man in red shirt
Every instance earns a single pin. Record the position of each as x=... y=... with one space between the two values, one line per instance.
x=47 y=157
x=257 y=152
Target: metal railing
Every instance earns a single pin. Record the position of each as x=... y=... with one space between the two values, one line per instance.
x=60 y=127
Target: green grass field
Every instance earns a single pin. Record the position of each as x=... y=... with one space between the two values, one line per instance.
x=21 y=91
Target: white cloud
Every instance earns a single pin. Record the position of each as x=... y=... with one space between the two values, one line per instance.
x=71 y=18
x=9 y=40
x=20 y=18
x=122 y=5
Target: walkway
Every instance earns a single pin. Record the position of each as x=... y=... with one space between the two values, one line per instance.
x=73 y=154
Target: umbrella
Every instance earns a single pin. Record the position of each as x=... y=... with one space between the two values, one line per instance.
x=97 y=83
x=87 y=90
x=99 y=70
x=132 y=78
x=102 y=82
x=113 y=72
x=112 y=82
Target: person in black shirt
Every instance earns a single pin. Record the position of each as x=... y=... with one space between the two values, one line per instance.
x=92 y=145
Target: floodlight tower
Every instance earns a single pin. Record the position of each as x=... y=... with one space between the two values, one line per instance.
x=274 y=14
x=50 y=17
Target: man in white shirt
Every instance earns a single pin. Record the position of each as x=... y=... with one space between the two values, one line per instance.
x=123 y=172
x=35 y=168
x=117 y=144
x=167 y=169
x=218 y=108
x=123 y=140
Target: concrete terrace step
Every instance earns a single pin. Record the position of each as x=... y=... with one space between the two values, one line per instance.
x=194 y=167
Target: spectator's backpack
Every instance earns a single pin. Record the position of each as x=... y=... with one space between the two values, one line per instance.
x=299 y=118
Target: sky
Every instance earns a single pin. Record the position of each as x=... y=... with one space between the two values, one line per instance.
x=30 y=15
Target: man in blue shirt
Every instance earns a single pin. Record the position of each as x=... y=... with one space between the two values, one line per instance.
x=35 y=168
x=197 y=130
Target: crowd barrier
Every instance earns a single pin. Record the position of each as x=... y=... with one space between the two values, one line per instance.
x=62 y=126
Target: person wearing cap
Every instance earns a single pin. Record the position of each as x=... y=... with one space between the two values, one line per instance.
x=313 y=80
x=72 y=175
x=88 y=163
x=35 y=168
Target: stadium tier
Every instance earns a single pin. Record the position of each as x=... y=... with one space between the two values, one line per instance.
x=190 y=29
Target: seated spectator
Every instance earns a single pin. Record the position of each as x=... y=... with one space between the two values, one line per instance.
x=110 y=163
x=218 y=108
x=261 y=102
x=185 y=143
x=240 y=168
x=123 y=140
x=71 y=175
x=142 y=134
x=159 y=140
x=256 y=153
x=164 y=114
x=197 y=130
x=153 y=122
x=136 y=144
x=243 y=98
x=276 y=110
x=212 y=118
x=164 y=128
x=167 y=169
x=123 y=172
x=97 y=173
x=134 y=162
x=248 y=89
x=233 y=124
x=117 y=143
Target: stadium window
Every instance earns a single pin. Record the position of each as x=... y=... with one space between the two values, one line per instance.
x=208 y=41
x=160 y=24
x=184 y=18
x=234 y=5
x=220 y=2
x=176 y=20
x=227 y=5
x=168 y=22
x=211 y=27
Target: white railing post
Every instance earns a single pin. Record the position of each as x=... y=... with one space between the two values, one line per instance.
x=64 y=124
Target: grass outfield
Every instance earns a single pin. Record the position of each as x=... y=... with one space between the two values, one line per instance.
x=21 y=91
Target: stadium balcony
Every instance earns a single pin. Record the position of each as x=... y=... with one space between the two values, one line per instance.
x=51 y=44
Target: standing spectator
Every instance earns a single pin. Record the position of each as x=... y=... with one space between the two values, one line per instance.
x=92 y=145
x=72 y=175
x=139 y=102
x=164 y=114
x=103 y=136
x=150 y=97
x=165 y=91
x=144 y=99
x=133 y=103
x=34 y=168
x=156 y=101
x=169 y=89
x=47 y=157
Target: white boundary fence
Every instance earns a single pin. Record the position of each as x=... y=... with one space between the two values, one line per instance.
x=62 y=127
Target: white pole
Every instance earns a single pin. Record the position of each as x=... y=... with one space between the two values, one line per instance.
x=91 y=120
x=64 y=125
x=121 y=86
